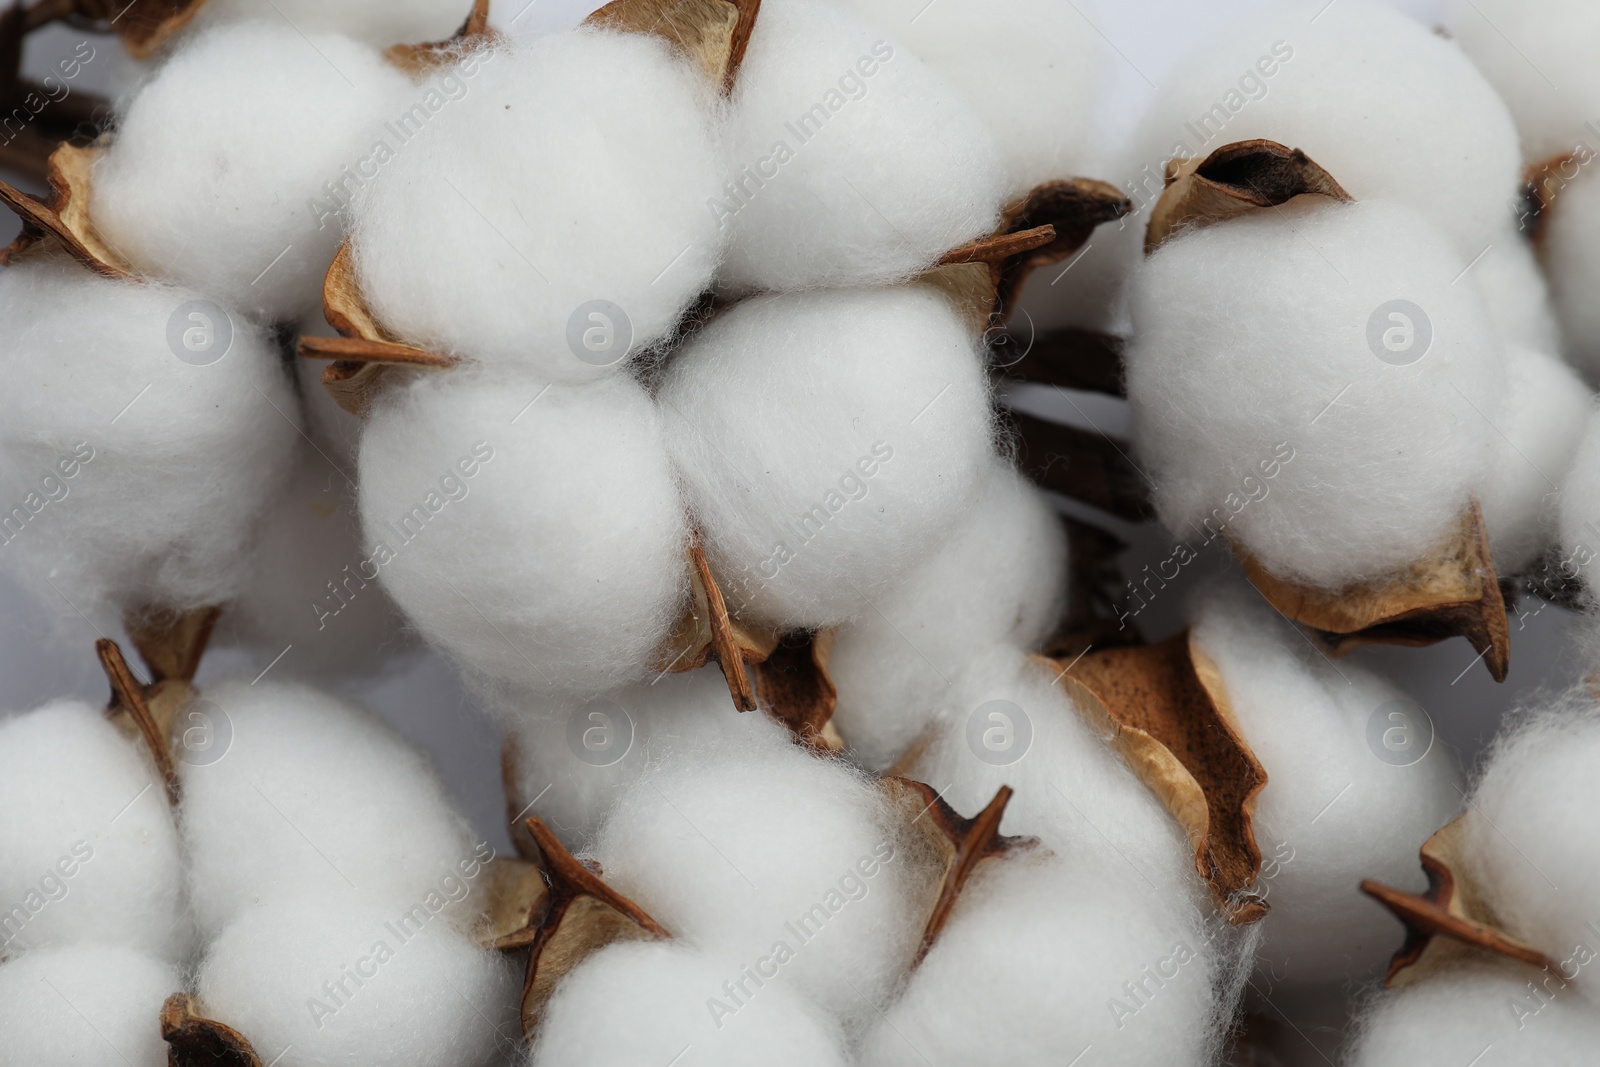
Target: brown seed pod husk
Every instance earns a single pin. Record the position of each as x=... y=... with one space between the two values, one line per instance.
x=1235 y=180
x=1083 y=464
x=794 y=687
x=1165 y=710
x=1073 y=359
x=171 y=643
x=143 y=25
x=1451 y=592
x=712 y=34
x=63 y=220
x=1449 y=920
x=421 y=60
x=706 y=631
x=580 y=916
x=146 y=713
x=509 y=897
x=196 y=1041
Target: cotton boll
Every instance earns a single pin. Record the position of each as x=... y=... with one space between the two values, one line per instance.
x=1516 y=297
x=1481 y=1008
x=143 y=475
x=826 y=442
x=740 y=845
x=311 y=795
x=1034 y=70
x=1046 y=958
x=1580 y=506
x=88 y=1004
x=90 y=852
x=1281 y=389
x=853 y=162
x=322 y=982
x=245 y=219
x=561 y=196
x=1390 y=109
x=1355 y=784
x=379 y=23
x=533 y=533
x=1570 y=262
x=1001 y=578
x=648 y=1002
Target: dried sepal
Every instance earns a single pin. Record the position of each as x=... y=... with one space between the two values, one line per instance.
x=63 y=219
x=580 y=916
x=1235 y=180
x=1073 y=359
x=421 y=60
x=1083 y=464
x=794 y=687
x=999 y=247
x=196 y=1041
x=1542 y=186
x=1165 y=710
x=1451 y=592
x=171 y=643
x=509 y=898
x=713 y=34
x=706 y=631
x=1447 y=921
x=148 y=714
x=961 y=844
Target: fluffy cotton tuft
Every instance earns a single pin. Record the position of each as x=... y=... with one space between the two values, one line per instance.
x=1278 y=396
x=1355 y=785
x=1580 y=504
x=63 y=1007
x=533 y=533
x=379 y=23
x=645 y=1003
x=89 y=851
x=851 y=161
x=323 y=983
x=1001 y=579
x=826 y=443
x=144 y=474
x=1573 y=267
x=562 y=172
x=311 y=795
x=229 y=166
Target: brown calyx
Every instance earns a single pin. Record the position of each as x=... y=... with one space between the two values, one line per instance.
x=793 y=686
x=146 y=713
x=711 y=34
x=143 y=25
x=421 y=60
x=63 y=220
x=196 y=1041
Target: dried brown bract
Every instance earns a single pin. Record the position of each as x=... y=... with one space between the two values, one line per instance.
x=713 y=34
x=196 y=1041
x=63 y=220
x=420 y=60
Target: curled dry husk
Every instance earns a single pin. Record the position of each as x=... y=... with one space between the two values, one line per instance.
x=1448 y=921
x=62 y=221
x=1454 y=590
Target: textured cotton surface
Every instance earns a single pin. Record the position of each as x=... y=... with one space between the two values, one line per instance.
x=84 y=1005
x=851 y=162
x=327 y=982
x=311 y=796
x=533 y=533
x=132 y=478
x=1516 y=296
x=1263 y=406
x=1355 y=784
x=826 y=442
x=646 y=1003
x=1000 y=579
x=562 y=171
x=89 y=852
x=377 y=22
x=186 y=194
x=1579 y=504
x=1573 y=268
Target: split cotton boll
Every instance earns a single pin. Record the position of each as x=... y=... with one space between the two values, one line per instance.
x=231 y=165
x=1355 y=784
x=826 y=442
x=554 y=214
x=1046 y=957
x=647 y=1002
x=1390 y=109
x=1571 y=264
x=1001 y=579
x=89 y=852
x=1308 y=381
x=532 y=532
x=63 y=1007
x=1479 y=1005
x=142 y=473
x=1033 y=70
x=322 y=982
x=852 y=161
x=312 y=795
x=379 y=23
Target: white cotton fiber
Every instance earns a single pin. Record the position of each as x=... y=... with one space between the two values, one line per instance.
x=1050 y=957
x=826 y=442
x=1034 y=70
x=1389 y=108
x=132 y=477
x=311 y=795
x=1309 y=381
x=1001 y=579
x=532 y=532
x=1580 y=506
x=324 y=983
x=1356 y=782
x=1571 y=264
x=851 y=161
x=648 y=1003
x=89 y=1004
x=1486 y=1011
x=89 y=852
x=380 y=23
x=554 y=211
x=222 y=158
x=1516 y=296
x=743 y=845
